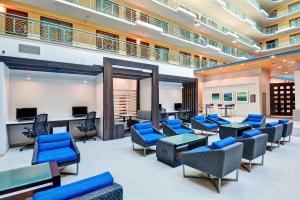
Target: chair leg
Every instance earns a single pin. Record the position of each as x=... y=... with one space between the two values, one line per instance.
x=71 y=173
x=290 y=138
x=132 y=146
x=27 y=146
x=145 y=151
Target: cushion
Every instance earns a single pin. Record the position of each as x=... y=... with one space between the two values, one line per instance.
x=151 y=138
x=200 y=149
x=222 y=122
x=200 y=118
x=183 y=131
x=272 y=124
x=76 y=189
x=223 y=143
x=210 y=125
x=283 y=121
x=173 y=122
x=253 y=124
x=143 y=126
x=59 y=155
x=175 y=126
x=145 y=131
x=54 y=137
x=251 y=133
x=54 y=145
x=213 y=116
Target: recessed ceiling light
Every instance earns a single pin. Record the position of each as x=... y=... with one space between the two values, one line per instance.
x=273 y=56
x=197 y=24
x=286 y=72
x=234 y=41
x=28 y=78
x=279 y=67
x=284 y=60
x=242 y=64
x=293 y=62
x=84 y=81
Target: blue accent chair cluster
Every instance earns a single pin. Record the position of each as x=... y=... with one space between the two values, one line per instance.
x=175 y=127
x=255 y=120
x=255 y=144
x=100 y=187
x=59 y=148
x=204 y=124
x=218 y=120
x=145 y=135
x=216 y=160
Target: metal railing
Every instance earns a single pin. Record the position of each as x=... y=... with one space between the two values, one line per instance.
x=257 y=5
x=17 y=26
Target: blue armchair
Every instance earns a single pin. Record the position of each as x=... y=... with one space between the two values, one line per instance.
x=274 y=131
x=216 y=160
x=287 y=129
x=145 y=135
x=201 y=123
x=100 y=187
x=218 y=120
x=255 y=144
x=60 y=148
x=255 y=120
x=175 y=127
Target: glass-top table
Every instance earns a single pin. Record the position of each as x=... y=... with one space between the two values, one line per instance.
x=169 y=149
x=27 y=177
x=236 y=125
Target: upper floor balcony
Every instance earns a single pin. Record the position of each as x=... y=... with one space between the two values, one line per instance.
x=273 y=46
x=29 y=29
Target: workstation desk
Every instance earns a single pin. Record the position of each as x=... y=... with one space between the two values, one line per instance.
x=15 y=128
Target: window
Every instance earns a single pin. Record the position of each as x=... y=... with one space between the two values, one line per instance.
x=55 y=30
x=131 y=47
x=204 y=62
x=161 y=53
x=295 y=22
x=16 y=22
x=197 y=61
x=272 y=44
x=212 y=43
x=107 y=41
x=273 y=14
x=272 y=29
x=294 y=7
x=184 y=58
x=295 y=39
x=145 y=50
x=212 y=62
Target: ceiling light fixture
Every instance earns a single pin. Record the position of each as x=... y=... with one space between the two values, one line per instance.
x=273 y=56
x=197 y=24
x=286 y=72
x=28 y=78
x=279 y=67
x=284 y=60
x=84 y=81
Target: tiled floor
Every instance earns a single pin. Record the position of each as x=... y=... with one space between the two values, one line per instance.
x=145 y=178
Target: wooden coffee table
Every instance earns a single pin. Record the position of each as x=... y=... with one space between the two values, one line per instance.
x=169 y=149
x=41 y=176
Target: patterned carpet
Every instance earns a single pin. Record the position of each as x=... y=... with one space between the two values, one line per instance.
x=296 y=132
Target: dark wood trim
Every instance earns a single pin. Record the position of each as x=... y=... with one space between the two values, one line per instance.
x=176 y=79
x=155 y=98
x=138 y=98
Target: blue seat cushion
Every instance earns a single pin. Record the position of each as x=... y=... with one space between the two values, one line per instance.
x=255 y=117
x=54 y=145
x=200 y=118
x=283 y=121
x=183 y=131
x=213 y=116
x=200 y=149
x=253 y=124
x=76 y=189
x=271 y=124
x=210 y=125
x=173 y=122
x=59 y=155
x=54 y=137
x=152 y=138
x=143 y=126
x=251 y=133
x=223 y=143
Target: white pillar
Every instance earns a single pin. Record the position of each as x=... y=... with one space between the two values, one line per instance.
x=297 y=96
x=4 y=106
x=145 y=94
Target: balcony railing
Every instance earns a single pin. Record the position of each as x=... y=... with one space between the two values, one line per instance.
x=17 y=26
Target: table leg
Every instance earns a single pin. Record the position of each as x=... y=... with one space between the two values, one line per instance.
x=55 y=174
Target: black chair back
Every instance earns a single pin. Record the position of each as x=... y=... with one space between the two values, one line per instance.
x=163 y=115
x=90 y=121
x=40 y=125
x=183 y=115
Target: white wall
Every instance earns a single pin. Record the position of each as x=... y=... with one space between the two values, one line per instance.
x=51 y=93
x=124 y=84
x=170 y=93
x=250 y=84
x=99 y=102
x=145 y=94
x=4 y=104
x=265 y=80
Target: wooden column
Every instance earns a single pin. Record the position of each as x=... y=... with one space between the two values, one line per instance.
x=190 y=97
x=155 y=98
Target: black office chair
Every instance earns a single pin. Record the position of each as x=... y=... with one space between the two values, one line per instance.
x=183 y=115
x=39 y=127
x=87 y=126
x=163 y=115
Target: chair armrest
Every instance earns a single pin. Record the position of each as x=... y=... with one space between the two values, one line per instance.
x=158 y=131
x=35 y=152
x=113 y=192
x=186 y=127
x=198 y=125
x=75 y=148
x=167 y=130
x=136 y=137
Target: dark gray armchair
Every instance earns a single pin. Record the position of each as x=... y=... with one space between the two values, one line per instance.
x=255 y=144
x=274 y=132
x=216 y=163
x=287 y=129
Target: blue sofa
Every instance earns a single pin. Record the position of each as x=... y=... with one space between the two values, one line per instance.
x=60 y=148
x=255 y=144
x=175 y=127
x=255 y=120
x=145 y=135
x=218 y=120
x=201 y=123
x=287 y=129
x=100 y=187
x=274 y=131
x=216 y=160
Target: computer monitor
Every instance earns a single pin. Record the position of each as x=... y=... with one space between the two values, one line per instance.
x=79 y=111
x=159 y=106
x=177 y=106
x=26 y=113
